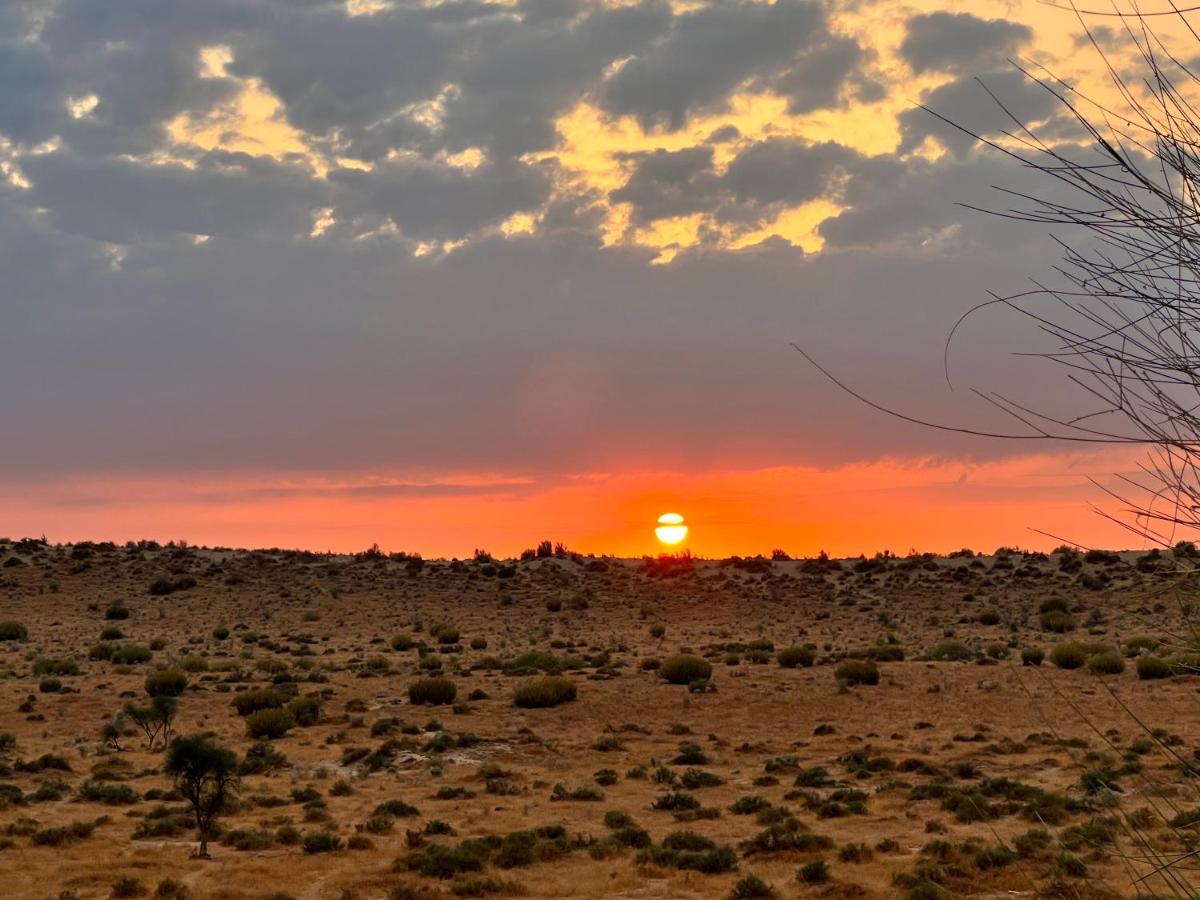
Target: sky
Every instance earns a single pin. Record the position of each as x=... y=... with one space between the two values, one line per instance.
x=457 y=275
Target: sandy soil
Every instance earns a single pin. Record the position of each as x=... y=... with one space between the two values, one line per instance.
x=914 y=765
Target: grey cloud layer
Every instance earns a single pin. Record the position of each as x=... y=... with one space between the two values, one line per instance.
x=261 y=347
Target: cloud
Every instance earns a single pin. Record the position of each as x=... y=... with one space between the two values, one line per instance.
x=221 y=194
x=961 y=43
x=710 y=52
x=984 y=105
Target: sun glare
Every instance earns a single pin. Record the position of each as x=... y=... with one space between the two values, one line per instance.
x=671 y=528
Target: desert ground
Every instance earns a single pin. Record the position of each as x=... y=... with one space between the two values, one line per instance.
x=873 y=727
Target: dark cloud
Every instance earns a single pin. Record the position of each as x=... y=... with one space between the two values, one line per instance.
x=710 y=52
x=816 y=78
x=226 y=194
x=960 y=42
x=439 y=202
x=785 y=171
x=985 y=106
x=669 y=183
x=33 y=100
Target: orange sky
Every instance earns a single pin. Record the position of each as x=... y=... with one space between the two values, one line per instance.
x=928 y=505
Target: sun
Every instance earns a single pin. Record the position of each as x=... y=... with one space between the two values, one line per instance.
x=671 y=528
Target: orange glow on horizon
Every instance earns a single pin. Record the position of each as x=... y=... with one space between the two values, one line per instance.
x=898 y=505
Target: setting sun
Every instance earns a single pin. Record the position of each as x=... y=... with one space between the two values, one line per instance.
x=671 y=528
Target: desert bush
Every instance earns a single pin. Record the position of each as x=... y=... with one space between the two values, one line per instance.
x=546 y=691
x=269 y=724
x=62 y=834
x=1032 y=656
x=1107 y=662
x=94 y=791
x=129 y=655
x=684 y=669
x=127 y=886
x=252 y=701
x=170 y=889
x=117 y=612
x=791 y=657
x=1057 y=620
x=47 y=666
x=13 y=631
x=857 y=671
x=886 y=653
x=751 y=887
x=166 y=683
x=951 y=651
x=1153 y=667
x=261 y=758
x=1141 y=644
x=395 y=809
x=101 y=652
x=320 y=842
x=305 y=711
x=111 y=633
x=403 y=642
x=50 y=686
x=989 y=617
x=674 y=801
x=432 y=692
x=1069 y=655
x=815 y=871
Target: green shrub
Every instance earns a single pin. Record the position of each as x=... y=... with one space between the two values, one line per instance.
x=791 y=657
x=751 y=887
x=1057 y=621
x=47 y=666
x=857 y=671
x=305 y=711
x=1070 y=864
x=989 y=617
x=166 y=683
x=13 y=631
x=1136 y=645
x=129 y=655
x=1108 y=662
x=50 y=685
x=111 y=633
x=1070 y=655
x=684 y=669
x=951 y=651
x=247 y=702
x=815 y=871
x=403 y=642
x=886 y=653
x=101 y=652
x=269 y=723
x=320 y=842
x=1153 y=667
x=1032 y=656
x=127 y=886
x=432 y=692
x=546 y=691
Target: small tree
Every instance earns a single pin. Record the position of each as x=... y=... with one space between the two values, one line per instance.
x=205 y=773
x=111 y=732
x=154 y=719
